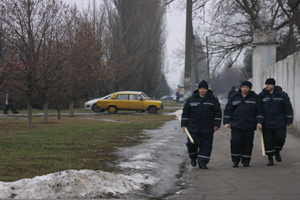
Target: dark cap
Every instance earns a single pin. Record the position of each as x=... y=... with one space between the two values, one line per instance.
x=203 y=84
x=246 y=83
x=270 y=81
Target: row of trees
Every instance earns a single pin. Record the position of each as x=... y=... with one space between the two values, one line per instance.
x=230 y=25
x=56 y=53
x=233 y=24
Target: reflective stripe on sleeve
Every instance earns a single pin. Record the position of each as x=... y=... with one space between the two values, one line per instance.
x=236 y=102
x=208 y=103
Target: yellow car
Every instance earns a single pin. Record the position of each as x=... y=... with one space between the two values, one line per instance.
x=129 y=100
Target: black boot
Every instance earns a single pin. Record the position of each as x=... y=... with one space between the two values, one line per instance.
x=193 y=163
x=277 y=156
x=270 y=162
x=202 y=166
x=235 y=164
x=246 y=165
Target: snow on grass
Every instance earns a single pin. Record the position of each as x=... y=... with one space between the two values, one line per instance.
x=138 y=165
x=75 y=184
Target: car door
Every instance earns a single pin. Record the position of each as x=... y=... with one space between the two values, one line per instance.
x=121 y=101
x=135 y=102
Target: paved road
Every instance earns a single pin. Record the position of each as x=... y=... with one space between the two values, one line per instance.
x=222 y=182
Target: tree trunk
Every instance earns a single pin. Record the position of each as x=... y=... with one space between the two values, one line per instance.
x=29 y=115
x=45 y=107
x=72 y=109
x=188 y=48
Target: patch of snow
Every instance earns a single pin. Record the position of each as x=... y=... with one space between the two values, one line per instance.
x=145 y=156
x=75 y=184
x=138 y=165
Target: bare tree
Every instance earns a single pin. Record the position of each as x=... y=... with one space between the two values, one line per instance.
x=3 y=57
x=233 y=23
x=136 y=30
x=230 y=24
x=85 y=63
x=29 y=24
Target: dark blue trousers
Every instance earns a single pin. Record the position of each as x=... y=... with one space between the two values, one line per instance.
x=274 y=140
x=241 y=145
x=10 y=106
x=202 y=148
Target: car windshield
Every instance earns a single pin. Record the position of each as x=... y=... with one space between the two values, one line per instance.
x=144 y=96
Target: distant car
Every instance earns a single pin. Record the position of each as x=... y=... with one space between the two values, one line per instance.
x=129 y=100
x=167 y=98
x=92 y=104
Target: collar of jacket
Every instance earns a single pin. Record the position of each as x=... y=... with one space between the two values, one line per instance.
x=208 y=95
x=277 y=90
x=251 y=93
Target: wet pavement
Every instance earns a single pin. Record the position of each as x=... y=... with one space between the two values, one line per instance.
x=222 y=182
x=163 y=156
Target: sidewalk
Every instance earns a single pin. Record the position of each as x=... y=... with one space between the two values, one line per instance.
x=222 y=182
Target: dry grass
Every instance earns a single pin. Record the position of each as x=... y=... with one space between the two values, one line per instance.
x=81 y=142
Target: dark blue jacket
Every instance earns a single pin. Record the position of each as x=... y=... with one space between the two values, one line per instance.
x=243 y=112
x=277 y=108
x=201 y=114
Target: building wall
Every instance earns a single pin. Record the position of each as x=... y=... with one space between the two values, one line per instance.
x=287 y=75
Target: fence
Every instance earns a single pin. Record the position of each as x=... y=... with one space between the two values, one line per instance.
x=287 y=75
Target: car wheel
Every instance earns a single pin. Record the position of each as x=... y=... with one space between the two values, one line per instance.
x=140 y=111
x=95 y=108
x=152 y=109
x=112 y=109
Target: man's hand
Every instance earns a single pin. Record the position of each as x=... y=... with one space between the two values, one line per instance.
x=226 y=125
x=216 y=128
x=259 y=126
x=289 y=125
x=184 y=127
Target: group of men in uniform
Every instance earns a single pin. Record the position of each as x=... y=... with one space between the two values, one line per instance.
x=271 y=111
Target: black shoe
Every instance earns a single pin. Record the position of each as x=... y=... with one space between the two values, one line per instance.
x=235 y=164
x=203 y=167
x=193 y=163
x=16 y=112
x=246 y=165
x=270 y=162
x=277 y=156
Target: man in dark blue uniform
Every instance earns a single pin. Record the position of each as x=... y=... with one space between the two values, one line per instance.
x=278 y=113
x=243 y=113
x=202 y=117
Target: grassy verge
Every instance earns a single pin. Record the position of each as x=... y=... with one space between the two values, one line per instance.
x=83 y=142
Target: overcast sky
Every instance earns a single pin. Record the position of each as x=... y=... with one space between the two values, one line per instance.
x=175 y=37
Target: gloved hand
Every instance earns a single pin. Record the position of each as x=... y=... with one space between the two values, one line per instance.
x=259 y=126
x=227 y=126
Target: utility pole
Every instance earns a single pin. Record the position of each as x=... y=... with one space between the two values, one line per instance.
x=207 y=63
x=188 y=49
